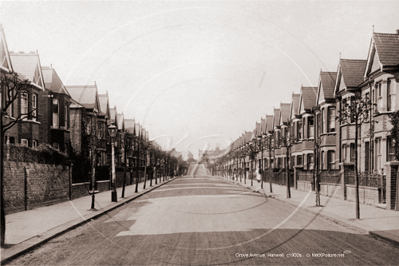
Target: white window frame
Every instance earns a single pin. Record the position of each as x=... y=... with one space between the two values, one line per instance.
x=56 y=116
x=34 y=107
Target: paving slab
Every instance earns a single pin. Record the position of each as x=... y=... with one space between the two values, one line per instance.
x=29 y=229
x=374 y=220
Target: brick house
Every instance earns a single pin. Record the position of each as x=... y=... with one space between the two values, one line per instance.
x=296 y=149
x=349 y=75
x=56 y=101
x=325 y=122
x=27 y=132
x=103 y=122
x=284 y=129
x=85 y=108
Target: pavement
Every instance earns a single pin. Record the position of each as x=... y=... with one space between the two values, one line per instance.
x=376 y=221
x=28 y=229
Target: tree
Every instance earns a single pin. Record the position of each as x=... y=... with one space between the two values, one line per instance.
x=287 y=144
x=356 y=112
x=13 y=89
x=395 y=132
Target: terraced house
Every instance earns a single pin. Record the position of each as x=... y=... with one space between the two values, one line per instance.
x=316 y=129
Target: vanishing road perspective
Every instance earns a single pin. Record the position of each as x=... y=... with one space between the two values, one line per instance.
x=200 y=219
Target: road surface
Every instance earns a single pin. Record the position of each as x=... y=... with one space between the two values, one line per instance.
x=204 y=220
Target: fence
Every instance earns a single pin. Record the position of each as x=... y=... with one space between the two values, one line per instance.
x=305 y=175
x=279 y=177
x=330 y=176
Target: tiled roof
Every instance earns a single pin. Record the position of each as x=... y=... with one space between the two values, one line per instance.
x=27 y=65
x=295 y=103
x=269 y=123
x=86 y=95
x=308 y=97
x=285 y=112
x=53 y=81
x=112 y=112
x=4 y=53
x=120 y=121
x=387 y=46
x=276 y=117
x=352 y=71
x=103 y=99
x=129 y=125
x=263 y=125
x=327 y=79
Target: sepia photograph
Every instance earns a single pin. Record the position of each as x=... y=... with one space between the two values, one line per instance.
x=195 y=132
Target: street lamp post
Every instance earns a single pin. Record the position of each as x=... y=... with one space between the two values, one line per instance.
x=93 y=172
x=112 y=133
x=261 y=149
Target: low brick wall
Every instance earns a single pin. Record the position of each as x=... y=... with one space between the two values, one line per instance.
x=103 y=185
x=331 y=190
x=304 y=185
x=80 y=190
x=30 y=185
x=367 y=195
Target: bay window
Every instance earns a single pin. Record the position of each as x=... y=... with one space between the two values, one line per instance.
x=56 y=112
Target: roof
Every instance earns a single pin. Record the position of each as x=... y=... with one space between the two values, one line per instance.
x=284 y=112
x=294 y=108
x=352 y=71
x=129 y=125
x=28 y=65
x=269 y=123
x=120 y=124
x=86 y=95
x=104 y=104
x=327 y=79
x=276 y=117
x=112 y=113
x=5 y=61
x=53 y=81
x=308 y=96
x=387 y=46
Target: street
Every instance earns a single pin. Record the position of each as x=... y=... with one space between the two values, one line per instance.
x=205 y=220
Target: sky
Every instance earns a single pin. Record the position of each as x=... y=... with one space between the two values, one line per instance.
x=195 y=74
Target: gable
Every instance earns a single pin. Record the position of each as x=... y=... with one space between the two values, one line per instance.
x=5 y=62
x=341 y=84
x=321 y=98
x=301 y=106
x=37 y=79
x=376 y=63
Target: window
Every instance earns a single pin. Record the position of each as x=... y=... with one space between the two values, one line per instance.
x=55 y=113
x=299 y=128
x=331 y=159
x=10 y=102
x=310 y=161
x=379 y=96
x=88 y=126
x=324 y=121
x=331 y=119
x=378 y=157
x=24 y=142
x=322 y=161
x=310 y=127
x=344 y=153
x=319 y=123
x=24 y=106
x=352 y=152
x=389 y=96
x=66 y=115
x=12 y=140
x=390 y=150
x=299 y=160
x=99 y=130
x=35 y=143
x=34 y=106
